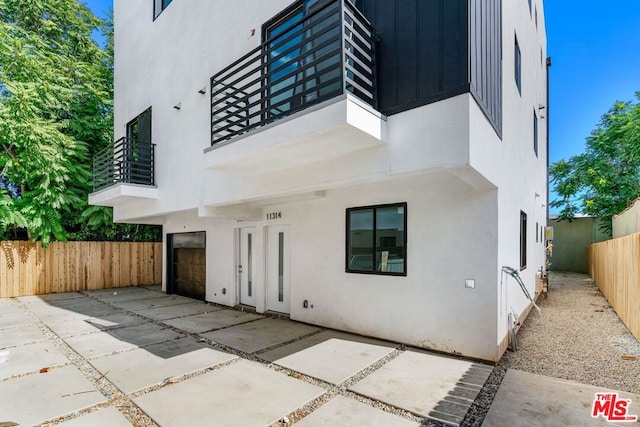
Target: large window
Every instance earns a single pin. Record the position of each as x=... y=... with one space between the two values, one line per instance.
x=159 y=6
x=523 y=240
x=518 y=65
x=377 y=239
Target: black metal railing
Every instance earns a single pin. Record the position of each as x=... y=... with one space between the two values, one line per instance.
x=329 y=52
x=127 y=161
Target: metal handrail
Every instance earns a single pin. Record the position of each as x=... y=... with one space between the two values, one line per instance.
x=329 y=52
x=126 y=161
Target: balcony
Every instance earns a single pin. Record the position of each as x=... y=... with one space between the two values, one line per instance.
x=323 y=59
x=122 y=172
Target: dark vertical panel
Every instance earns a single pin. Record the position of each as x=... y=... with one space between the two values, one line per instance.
x=454 y=43
x=406 y=49
x=473 y=58
x=423 y=51
x=384 y=26
x=485 y=22
x=429 y=41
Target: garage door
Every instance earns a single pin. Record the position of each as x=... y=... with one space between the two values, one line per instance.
x=186 y=264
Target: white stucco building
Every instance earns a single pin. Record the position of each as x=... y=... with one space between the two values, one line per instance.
x=364 y=165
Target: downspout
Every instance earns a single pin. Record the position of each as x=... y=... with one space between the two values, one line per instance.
x=548 y=117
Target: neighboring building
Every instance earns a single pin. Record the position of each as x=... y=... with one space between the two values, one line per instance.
x=571 y=240
x=363 y=165
x=628 y=221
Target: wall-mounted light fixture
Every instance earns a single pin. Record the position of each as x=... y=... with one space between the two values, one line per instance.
x=178 y=106
x=202 y=90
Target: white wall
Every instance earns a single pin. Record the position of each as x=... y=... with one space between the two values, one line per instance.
x=466 y=226
x=429 y=308
x=510 y=163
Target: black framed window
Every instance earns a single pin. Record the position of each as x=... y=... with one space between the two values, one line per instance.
x=535 y=132
x=518 y=65
x=377 y=240
x=159 y=6
x=523 y=240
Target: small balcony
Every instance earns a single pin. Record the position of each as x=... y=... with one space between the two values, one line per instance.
x=307 y=62
x=123 y=171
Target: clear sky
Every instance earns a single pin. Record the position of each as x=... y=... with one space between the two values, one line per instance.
x=595 y=50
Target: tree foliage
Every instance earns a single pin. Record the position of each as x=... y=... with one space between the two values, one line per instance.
x=55 y=113
x=605 y=179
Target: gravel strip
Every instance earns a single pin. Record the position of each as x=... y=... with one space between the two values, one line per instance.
x=577 y=337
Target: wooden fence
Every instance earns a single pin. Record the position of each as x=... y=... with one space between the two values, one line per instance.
x=614 y=265
x=28 y=269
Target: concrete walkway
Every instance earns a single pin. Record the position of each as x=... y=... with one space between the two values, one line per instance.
x=135 y=356
x=526 y=399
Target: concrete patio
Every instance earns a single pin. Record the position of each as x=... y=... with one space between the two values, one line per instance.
x=135 y=356
x=81 y=358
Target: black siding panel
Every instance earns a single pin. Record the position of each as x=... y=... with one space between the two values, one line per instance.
x=422 y=50
x=429 y=52
x=485 y=58
x=407 y=48
x=454 y=46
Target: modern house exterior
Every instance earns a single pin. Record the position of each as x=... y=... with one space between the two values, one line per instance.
x=364 y=165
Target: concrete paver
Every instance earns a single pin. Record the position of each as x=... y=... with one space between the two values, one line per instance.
x=171 y=312
x=342 y=411
x=134 y=370
x=37 y=299
x=213 y=320
x=330 y=356
x=153 y=301
x=29 y=358
x=81 y=310
x=106 y=342
x=9 y=307
x=426 y=385
x=21 y=335
x=526 y=399
x=261 y=334
x=241 y=394
x=118 y=295
x=11 y=317
x=107 y=417
x=111 y=291
x=65 y=328
x=39 y=397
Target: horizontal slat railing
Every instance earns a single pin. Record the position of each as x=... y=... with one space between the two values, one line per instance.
x=126 y=161
x=329 y=52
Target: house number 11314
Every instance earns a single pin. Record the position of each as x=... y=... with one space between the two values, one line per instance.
x=274 y=215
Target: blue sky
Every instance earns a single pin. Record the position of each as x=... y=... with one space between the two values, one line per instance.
x=595 y=49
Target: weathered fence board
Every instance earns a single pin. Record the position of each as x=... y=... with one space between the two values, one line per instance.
x=614 y=265
x=28 y=269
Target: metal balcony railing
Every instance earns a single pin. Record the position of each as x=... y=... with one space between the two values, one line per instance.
x=329 y=52
x=127 y=161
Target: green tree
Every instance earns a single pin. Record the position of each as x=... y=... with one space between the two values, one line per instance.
x=56 y=91
x=51 y=79
x=605 y=179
